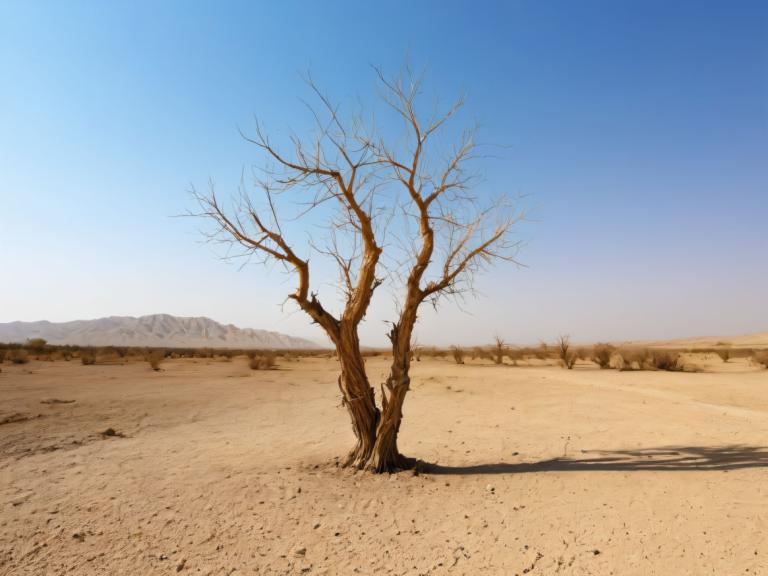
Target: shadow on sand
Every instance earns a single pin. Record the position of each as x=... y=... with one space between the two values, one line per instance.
x=670 y=458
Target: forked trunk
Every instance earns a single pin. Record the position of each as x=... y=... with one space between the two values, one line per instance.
x=386 y=455
x=358 y=398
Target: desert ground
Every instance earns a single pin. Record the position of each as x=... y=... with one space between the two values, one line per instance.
x=217 y=469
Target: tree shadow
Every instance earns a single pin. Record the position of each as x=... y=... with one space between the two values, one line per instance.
x=669 y=458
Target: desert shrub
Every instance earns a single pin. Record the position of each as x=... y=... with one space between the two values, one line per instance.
x=458 y=354
x=3 y=352
x=155 y=358
x=18 y=356
x=265 y=361
x=514 y=354
x=601 y=354
x=724 y=353
x=565 y=353
x=761 y=357
x=87 y=357
x=632 y=359
x=542 y=353
x=662 y=360
x=498 y=350
x=36 y=345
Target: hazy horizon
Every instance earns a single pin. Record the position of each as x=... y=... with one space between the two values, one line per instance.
x=323 y=340
x=637 y=133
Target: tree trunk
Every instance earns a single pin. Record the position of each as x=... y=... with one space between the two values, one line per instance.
x=386 y=456
x=358 y=398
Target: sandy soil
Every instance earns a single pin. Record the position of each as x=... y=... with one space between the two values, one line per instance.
x=226 y=471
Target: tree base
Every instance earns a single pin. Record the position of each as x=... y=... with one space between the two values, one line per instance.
x=393 y=464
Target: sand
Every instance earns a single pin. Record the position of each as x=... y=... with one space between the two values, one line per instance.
x=215 y=469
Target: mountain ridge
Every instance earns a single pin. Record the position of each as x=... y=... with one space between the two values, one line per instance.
x=156 y=330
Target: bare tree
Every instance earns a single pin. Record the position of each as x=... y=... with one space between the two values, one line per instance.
x=498 y=349
x=372 y=179
x=564 y=351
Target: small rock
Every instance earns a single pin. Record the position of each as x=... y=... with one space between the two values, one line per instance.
x=316 y=525
x=180 y=565
x=300 y=552
x=490 y=488
x=79 y=536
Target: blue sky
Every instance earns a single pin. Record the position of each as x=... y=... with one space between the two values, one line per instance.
x=638 y=132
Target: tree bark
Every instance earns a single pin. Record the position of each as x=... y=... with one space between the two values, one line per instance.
x=358 y=397
x=386 y=455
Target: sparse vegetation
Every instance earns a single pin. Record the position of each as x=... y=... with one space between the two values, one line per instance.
x=458 y=354
x=664 y=360
x=36 y=345
x=87 y=358
x=602 y=354
x=564 y=352
x=263 y=361
x=498 y=350
x=155 y=358
x=761 y=357
x=644 y=359
x=18 y=356
x=724 y=353
x=632 y=359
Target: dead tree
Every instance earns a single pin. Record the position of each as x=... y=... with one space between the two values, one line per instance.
x=564 y=352
x=371 y=180
x=498 y=350
x=456 y=235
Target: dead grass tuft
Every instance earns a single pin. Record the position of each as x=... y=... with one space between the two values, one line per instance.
x=458 y=354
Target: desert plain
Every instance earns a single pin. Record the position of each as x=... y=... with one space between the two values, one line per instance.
x=211 y=468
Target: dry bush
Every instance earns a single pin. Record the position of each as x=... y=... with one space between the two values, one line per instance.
x=565 y=353
x=760 y=357
x=542 y=353
x=36 y=345
x=18 y=356
x=458 y=354
x=265 y=361
x=642 y=359
x=663 y=360
x=601 y=354
x=514 y=354
x=3 y=352
x=155 y=358
x=87 y=358
x=498 y=350
x=632 y=359
x=724 y=353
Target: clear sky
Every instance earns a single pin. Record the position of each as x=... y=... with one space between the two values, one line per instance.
x=638 y=130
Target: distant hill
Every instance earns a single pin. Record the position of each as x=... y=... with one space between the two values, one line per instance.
x=758 y=340
x=161 y=330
